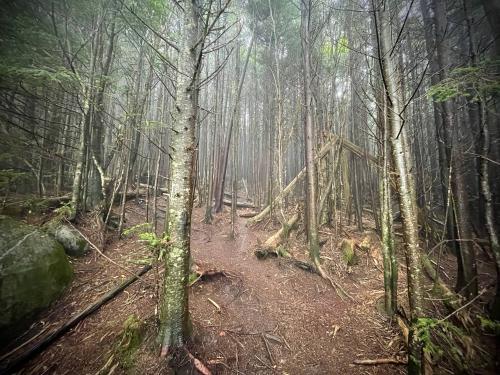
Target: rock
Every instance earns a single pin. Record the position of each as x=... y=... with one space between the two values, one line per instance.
x=72 y=241
x=34 y=271
x=348 y=249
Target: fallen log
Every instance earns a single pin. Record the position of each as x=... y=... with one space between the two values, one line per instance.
x=356 y=150
x=17 y=363
x=54 y=202
x=274 y=241
x=248 y=214
x=451 y=300
x=239 y=204
x=160 y=189
x=128 y=196
x=230 y=195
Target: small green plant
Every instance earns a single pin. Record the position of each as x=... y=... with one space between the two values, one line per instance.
x=36 y=205
x=130 y=341
x=137 y=229
x=65 y=211
x=442 y=340
x=9 y=177
x=157 y=244
x=489 y=326
x=151 y=239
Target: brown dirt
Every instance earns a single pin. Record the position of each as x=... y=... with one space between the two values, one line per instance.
x=273 y=317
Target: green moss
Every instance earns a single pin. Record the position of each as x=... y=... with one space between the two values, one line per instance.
x=489 y=326
x=282 y=252
x=131 y=340
x=348 y=252
x=442 y=340
x=34 y=271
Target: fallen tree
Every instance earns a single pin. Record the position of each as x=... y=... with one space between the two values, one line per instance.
x=271 y=248
x=275 y=240
x=356 y=150
x=239 y=204
x=450 y=299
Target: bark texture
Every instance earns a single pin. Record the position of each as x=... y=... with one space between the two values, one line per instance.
x=174 y=317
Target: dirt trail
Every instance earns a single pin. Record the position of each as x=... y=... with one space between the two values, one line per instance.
x=313 y=331
x=266 y=317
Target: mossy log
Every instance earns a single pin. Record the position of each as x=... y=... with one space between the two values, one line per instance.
x=451 y=299
x=227 y=202
x=276 y=239
x=248 y=214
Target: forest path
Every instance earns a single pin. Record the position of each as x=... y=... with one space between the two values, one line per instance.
x=266 y=317
x=275 y=318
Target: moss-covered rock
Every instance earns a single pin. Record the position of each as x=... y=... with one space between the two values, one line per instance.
x=34 y=271
x=71 y=240
x=74 y=244
x=348 y=249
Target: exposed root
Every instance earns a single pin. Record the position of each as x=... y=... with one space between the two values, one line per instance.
x=338 y=288
x=248 y=214
x=316 y=268
x=202 y=369
x=210 y=275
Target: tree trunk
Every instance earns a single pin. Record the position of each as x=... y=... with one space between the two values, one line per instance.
x=219 y=191
x=405 y=183
x=468 y=283
x=312 y=225
x=174 y=316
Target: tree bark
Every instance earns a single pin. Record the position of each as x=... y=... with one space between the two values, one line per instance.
x=174 y=316
x=405 y=182
x=312 y=225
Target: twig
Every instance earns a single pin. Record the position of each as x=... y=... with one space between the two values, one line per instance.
x=264 y=363
x=215 y=304
x=380 y=361
x=462 y=307
x=271 y=359
x=109 y=259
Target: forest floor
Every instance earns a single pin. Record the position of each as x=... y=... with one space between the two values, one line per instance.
x=263 y=317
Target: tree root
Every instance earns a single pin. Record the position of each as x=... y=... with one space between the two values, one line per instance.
x=210 y=275
x=338 y=288
x=248 y=214
x=316 y=268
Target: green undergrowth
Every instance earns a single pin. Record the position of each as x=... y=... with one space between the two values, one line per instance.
x=441 y=341
x=157 y=244
x=489 y=326
x=131 y=340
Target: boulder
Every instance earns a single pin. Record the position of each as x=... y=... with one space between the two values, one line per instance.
x=72 y=241
x=34 y=271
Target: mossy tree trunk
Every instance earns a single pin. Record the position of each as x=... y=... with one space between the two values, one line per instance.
x=388 y=251
x=404 y=177
x=174 y=315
